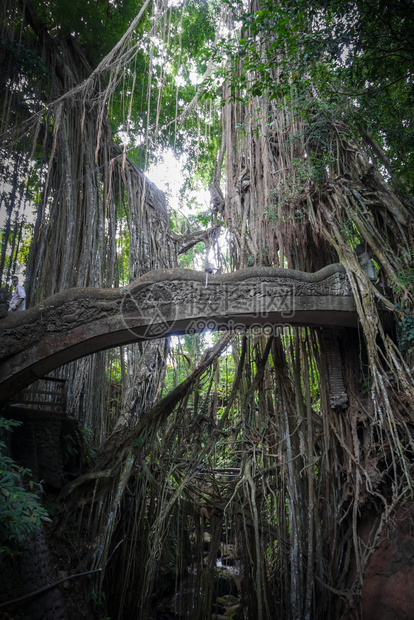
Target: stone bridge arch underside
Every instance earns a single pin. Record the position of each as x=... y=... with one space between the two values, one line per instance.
x=81 y=321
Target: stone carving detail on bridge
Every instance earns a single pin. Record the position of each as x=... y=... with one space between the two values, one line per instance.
x=163 y=302
x=77 y=322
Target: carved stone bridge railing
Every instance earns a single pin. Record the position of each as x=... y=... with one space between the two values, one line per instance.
x=78 y=322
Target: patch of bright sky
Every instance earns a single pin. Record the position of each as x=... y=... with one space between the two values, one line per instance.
x=207 y=338
x=175 y=3
x=193 y=76
x=169 y=175
x=27 y=213
x=180 y=80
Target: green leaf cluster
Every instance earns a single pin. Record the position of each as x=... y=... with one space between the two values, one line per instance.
x=21 y=511
x=358 y=55
x=24 y=58
x=97 y=25
x=405 y=329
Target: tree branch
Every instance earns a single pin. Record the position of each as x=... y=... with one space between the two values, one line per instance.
x=186 y=242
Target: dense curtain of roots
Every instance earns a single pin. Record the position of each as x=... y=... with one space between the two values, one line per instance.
x=302 y=193
x=273 y=462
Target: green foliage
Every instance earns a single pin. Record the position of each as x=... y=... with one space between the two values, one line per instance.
x=405 y=278
x=357 y=55
x=405 y=329
x=70 y=444
x=173 y=67
x=99 y=604
x=97 y=25
x=186 y=353
x=138 y=442
x=24 y=58
x=123 y=241
x=197 y=27
x=193 y=258
x=88 y=445
x=311 y=171
x=20 y=509
x=405 y=324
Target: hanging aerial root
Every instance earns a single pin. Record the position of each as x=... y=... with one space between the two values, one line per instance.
x=108 y=466
x=387 y=367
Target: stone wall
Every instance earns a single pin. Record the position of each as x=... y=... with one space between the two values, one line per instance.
x=48 y=444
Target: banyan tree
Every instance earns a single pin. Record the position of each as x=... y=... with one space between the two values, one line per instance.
x=287 y=451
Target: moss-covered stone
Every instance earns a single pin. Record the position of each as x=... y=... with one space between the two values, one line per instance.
x=228 y=600
x=233 y=612
x=218 y=608
x=224 y=583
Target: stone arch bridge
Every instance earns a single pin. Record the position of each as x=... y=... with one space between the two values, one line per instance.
x=81 y=321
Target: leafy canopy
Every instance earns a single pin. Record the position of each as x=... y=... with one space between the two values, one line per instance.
x=358 y=55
